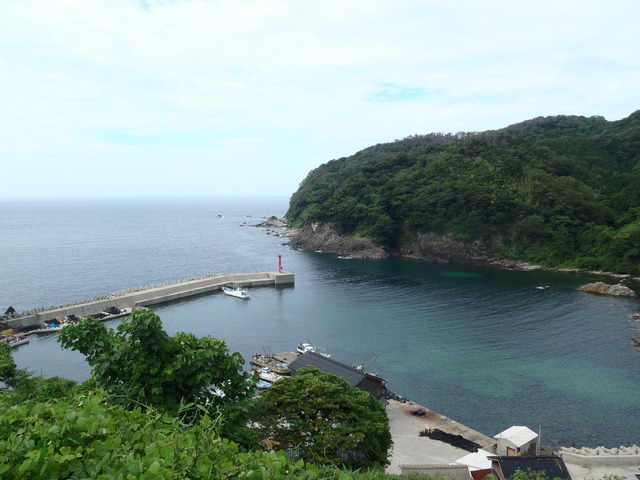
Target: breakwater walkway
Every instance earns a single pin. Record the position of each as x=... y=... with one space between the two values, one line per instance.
x=148 y=296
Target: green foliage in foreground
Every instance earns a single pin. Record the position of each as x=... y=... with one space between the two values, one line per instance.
x=327 y=421
x=560 y=191
x=52 y=429
x=140 y=364
x=86 y=438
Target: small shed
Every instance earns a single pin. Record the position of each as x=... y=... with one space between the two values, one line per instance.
x=355 y=377
x=515 y=440
x=552 y=466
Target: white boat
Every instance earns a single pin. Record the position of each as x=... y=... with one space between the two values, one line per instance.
x=268 y=376
x=238 y=292
x=304 y=347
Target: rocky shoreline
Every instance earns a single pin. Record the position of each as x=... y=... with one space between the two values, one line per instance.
x=428 y=247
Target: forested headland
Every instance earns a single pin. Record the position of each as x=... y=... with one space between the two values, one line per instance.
x=560 y=191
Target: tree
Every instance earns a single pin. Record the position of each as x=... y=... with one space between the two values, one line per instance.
x=10 y=375
x=327 y=420
x=8 y=367
x=140 y=364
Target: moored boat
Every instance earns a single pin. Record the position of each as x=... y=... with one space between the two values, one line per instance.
x=266 y=361
x=238 y=292
x=262 y=384
x=268 y=375
x=306 y=346
x=15 y=340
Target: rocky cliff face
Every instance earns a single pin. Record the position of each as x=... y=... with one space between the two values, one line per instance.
x=440 y=249
x=430 y=247
x=444 y=249
x=323 y=238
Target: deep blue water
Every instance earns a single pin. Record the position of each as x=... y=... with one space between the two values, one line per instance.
x=480 y=345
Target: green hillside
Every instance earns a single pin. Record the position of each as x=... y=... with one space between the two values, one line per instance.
x=560 y=191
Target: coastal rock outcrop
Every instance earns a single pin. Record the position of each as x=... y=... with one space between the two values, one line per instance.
x=273 y=222
x=323 y=238
x=276 y=226
x=606 y=289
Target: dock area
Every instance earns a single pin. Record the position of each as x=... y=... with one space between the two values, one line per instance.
x=152 y=295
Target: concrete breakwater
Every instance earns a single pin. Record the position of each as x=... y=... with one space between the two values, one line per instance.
x=148 y=296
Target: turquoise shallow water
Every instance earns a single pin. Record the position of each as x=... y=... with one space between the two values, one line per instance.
x=480 y=345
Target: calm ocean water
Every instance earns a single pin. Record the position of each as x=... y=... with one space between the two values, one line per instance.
x=480 y=345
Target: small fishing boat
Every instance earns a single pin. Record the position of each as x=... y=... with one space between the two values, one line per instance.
x=268 y=375
x=238 y=292
x=266 y=361
x=15 y=340
x=306 y=346
x=262 y=384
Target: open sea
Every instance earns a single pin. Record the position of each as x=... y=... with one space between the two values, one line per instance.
x=480 y=345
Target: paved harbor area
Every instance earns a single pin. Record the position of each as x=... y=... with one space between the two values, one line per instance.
x=410 y=449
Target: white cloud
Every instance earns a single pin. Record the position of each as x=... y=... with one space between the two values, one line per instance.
x=175 y=90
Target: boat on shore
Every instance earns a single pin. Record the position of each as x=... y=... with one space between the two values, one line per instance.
x=238 y=292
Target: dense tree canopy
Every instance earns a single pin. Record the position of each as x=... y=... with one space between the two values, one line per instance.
x=140 y=364
x=325 y=419
x=563 y=191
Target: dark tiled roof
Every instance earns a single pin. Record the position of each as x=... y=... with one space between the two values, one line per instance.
x=552 y=466
x=329 y=365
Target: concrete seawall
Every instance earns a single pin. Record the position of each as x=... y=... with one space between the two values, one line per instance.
x=155 y=295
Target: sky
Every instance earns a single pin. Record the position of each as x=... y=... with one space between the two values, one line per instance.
x=122 y=98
